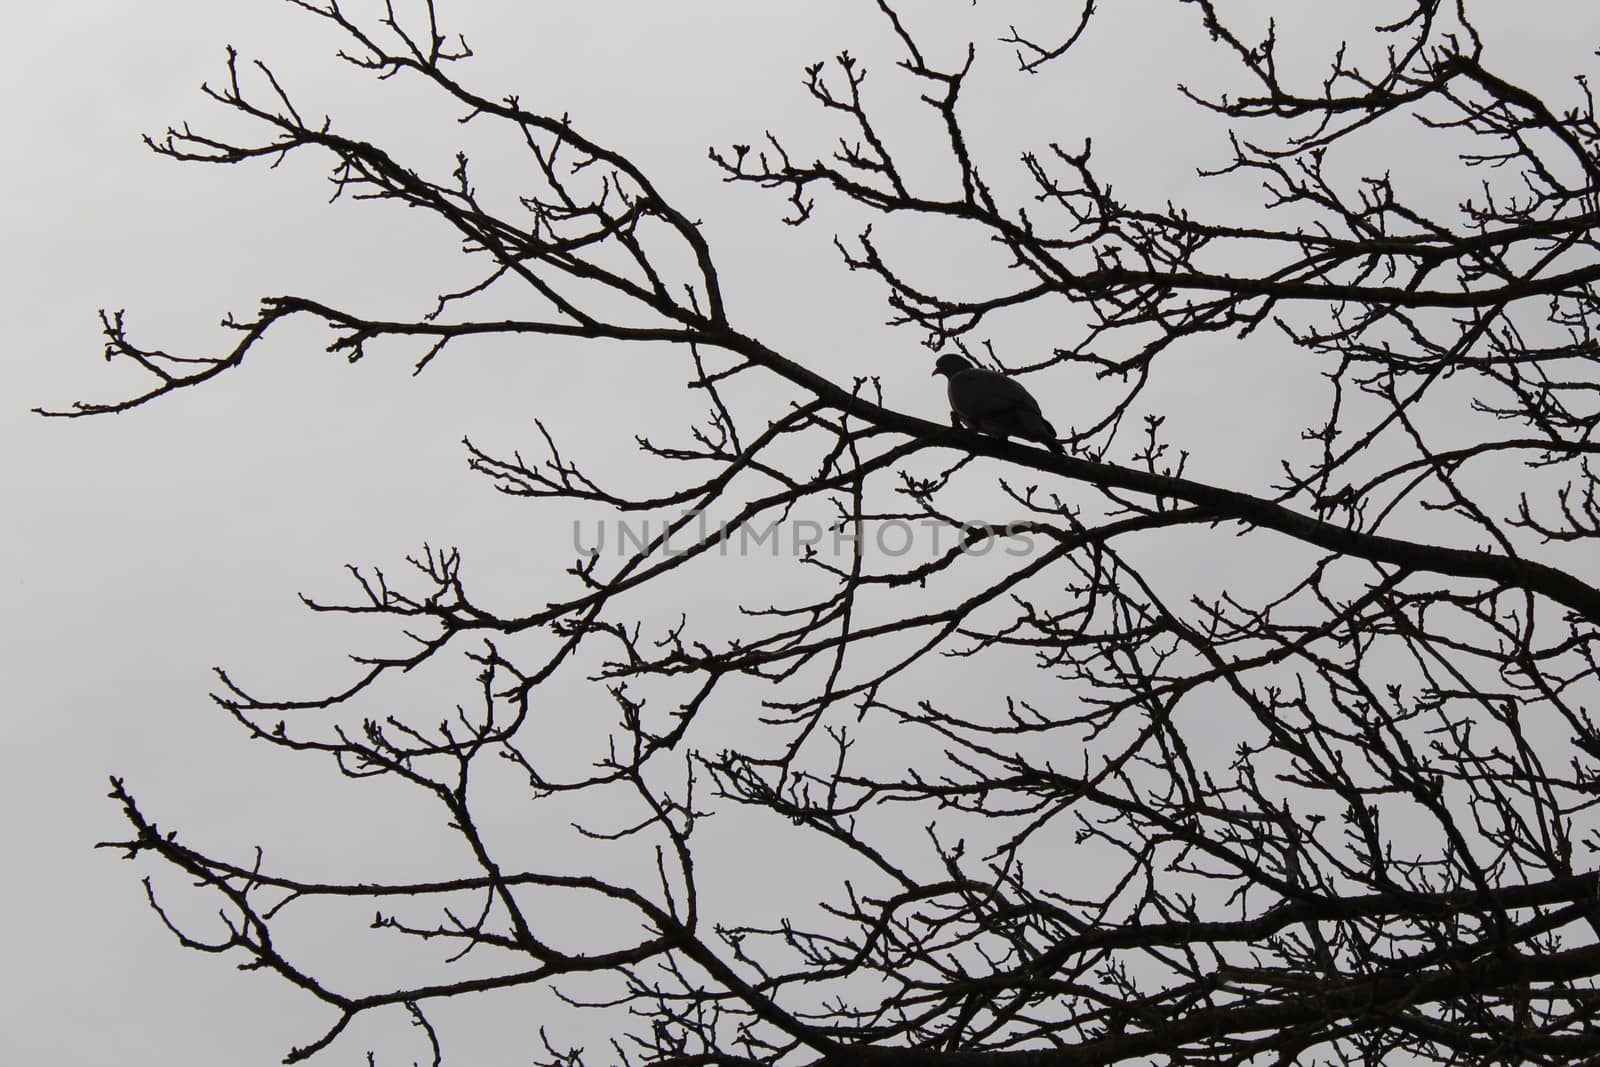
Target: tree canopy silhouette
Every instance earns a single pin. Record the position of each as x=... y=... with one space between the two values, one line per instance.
x=1131 y=765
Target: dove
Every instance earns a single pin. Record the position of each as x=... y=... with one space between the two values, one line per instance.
x=992 y=403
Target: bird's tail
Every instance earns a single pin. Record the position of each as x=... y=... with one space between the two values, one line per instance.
x=1040 y=430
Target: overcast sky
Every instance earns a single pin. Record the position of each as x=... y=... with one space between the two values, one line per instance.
x=148 y=547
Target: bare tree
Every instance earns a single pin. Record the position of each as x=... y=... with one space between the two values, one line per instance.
x=1347 y=818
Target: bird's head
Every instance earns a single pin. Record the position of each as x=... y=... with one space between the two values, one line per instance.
x=951 y=364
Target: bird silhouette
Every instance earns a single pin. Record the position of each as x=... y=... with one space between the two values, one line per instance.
x=992 y=403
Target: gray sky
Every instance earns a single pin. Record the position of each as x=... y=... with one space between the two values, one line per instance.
x=147 y=547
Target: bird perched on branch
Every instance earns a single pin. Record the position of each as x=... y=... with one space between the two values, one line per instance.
x=992 y=403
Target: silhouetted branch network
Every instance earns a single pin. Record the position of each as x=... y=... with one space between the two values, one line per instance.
x=1084 y=806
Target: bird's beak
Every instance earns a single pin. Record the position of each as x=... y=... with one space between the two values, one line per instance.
x=935 y=372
